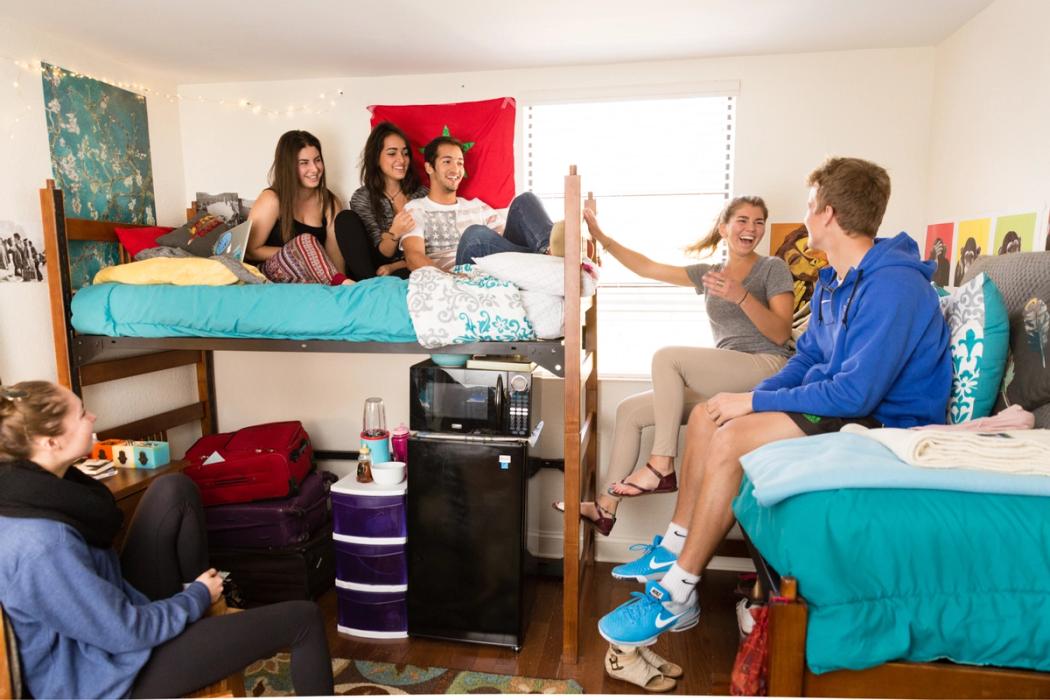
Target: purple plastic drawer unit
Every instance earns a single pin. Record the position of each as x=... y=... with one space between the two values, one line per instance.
x=368 y=510
x=367 y=612
x=374 y=562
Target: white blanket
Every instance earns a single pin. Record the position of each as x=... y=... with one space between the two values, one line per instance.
x=1011 y=452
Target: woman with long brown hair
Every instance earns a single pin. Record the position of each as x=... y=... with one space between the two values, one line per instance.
x=369 y=232
x=94 y=623
x=749 y=304
x=293 y=220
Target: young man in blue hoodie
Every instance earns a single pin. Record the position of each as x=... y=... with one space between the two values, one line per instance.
x=875 y=352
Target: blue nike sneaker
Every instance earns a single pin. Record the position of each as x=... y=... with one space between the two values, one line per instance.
x=646 y=616
x=651 y=566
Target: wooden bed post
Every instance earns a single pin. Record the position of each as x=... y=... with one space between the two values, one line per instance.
x=787 y=641
x=56 y=254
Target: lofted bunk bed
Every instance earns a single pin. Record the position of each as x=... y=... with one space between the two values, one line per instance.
x=91 y=359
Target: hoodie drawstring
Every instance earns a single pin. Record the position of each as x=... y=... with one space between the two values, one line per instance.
x=828 y=291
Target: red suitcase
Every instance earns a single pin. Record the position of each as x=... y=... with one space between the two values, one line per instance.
x=258 y=462
x=281 y=522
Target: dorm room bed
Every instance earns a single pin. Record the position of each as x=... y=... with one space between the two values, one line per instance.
x=85 y=359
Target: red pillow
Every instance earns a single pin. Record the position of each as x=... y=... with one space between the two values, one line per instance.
x=135 y=240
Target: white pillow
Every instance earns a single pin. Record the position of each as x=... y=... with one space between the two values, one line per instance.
x=546 y=312
x=537 y=273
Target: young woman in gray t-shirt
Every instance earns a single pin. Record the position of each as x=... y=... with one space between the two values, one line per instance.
x=749 y=303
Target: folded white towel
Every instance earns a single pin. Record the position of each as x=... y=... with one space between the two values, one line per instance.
x=1011 y=452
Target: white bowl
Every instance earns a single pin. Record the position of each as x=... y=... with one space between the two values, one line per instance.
x=388 y=473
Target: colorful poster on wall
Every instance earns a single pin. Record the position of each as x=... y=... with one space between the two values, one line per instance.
x=790 y=242
x=939 y=239
x=100 y=158
x=1015 y=233
x=972 y=241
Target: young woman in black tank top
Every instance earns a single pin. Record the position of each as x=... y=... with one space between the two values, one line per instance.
x=293 y=237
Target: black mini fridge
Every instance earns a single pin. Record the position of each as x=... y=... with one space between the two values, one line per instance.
x=466 y=539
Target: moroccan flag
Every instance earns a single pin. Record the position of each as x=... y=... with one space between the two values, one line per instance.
x=486 y=129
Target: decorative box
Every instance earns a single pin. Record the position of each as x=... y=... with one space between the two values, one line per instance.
x=141 y=454
x=104 y=449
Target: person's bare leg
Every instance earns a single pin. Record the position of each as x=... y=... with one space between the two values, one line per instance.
x=712 y=515
x=699 y=432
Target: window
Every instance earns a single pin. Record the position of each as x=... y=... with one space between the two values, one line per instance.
x=660 y=170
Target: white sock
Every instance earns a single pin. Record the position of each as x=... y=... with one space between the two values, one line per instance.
x=674 y=538
x=680 y=584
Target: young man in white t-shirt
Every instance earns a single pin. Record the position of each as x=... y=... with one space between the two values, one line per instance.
x=452 y=231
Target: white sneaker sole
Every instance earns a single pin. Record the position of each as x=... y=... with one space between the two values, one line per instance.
x=681 y=626
x=655 y=576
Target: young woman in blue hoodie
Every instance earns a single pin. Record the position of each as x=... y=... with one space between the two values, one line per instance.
x=90 y=623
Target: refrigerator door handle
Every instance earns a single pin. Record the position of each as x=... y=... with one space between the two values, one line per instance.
x=499 y=401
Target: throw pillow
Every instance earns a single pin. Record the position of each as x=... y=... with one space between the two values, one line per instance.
x=980 y=337
x=199 y=236
x=537 y=273
x=135 y=240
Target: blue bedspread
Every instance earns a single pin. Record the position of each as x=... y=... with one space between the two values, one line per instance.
x=912 y=574
x=786 y=468
x=373 y=310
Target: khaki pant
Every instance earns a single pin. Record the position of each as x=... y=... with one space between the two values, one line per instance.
x=682 y=378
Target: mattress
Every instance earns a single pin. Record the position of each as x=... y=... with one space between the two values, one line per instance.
x=373 y=310
x=912 y=574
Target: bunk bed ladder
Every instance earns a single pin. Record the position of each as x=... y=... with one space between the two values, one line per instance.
x=580 y=436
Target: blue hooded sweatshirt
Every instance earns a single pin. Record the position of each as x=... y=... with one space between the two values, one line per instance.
x=876 y=345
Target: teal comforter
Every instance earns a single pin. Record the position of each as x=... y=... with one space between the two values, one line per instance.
x=373 y=310
x=912 y=574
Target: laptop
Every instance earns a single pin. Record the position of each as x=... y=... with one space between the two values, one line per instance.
x=234 y=242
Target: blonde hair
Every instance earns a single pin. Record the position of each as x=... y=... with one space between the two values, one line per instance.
x=714 y=236
x=29 y=410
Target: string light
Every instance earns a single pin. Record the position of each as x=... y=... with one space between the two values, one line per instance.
x=327 y=100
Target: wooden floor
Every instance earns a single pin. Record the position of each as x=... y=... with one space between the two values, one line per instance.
x=706 y=652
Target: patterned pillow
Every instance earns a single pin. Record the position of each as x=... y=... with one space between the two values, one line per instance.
x=447 y=309
x=980 y=337
x=199 y=236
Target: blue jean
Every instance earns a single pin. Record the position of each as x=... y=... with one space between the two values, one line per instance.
x=528 y=230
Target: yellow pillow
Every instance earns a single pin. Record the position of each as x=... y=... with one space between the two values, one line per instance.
x=179 y=271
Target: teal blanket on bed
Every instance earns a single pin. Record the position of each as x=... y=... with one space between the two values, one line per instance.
x=372 y=310
x=912 y=574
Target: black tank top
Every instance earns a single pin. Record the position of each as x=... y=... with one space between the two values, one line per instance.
x=318 y=232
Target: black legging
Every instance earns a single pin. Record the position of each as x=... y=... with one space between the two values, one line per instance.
x=166 y=546
x=362 y=257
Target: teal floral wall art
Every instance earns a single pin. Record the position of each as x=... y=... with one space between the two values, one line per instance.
x=100 y=158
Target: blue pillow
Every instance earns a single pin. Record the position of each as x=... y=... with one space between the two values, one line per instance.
x=980 y=339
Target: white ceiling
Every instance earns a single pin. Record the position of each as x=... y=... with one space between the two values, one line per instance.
x=202 y=41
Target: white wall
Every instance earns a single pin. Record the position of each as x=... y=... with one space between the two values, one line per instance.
x=26 y=346
x=793 y=111
x=990 y=145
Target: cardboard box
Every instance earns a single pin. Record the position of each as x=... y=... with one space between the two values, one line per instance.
x=142 y=454
x=104 y=449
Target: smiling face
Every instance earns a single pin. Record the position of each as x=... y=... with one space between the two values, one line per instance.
x=394 y=158
x=447 y=171
x=744 y=230
x=816 y=221
x=310 y=167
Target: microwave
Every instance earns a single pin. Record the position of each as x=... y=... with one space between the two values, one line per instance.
x=470 y=401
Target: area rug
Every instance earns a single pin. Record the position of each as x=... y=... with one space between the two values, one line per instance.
x=272 y=678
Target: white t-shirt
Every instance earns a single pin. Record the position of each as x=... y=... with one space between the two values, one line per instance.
x=441 y=225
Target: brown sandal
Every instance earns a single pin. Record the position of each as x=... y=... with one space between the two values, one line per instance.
x=668 y=484
x=629 y=665
x=603 y=524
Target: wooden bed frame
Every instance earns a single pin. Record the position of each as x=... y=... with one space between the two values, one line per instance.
x=85 y=360
x=789 y=675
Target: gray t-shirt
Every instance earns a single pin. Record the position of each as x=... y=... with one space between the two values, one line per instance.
x=731 y=327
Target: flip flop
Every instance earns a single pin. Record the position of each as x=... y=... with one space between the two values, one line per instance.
x=668 y=668
x=668 y=484
x=628 y=665
x=604 y=523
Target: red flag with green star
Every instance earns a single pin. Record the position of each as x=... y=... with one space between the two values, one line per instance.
x=486 y=129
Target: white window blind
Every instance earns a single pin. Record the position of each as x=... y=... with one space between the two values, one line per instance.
x=660 y=170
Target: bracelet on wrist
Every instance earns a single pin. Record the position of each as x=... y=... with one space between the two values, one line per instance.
x=743 y=298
